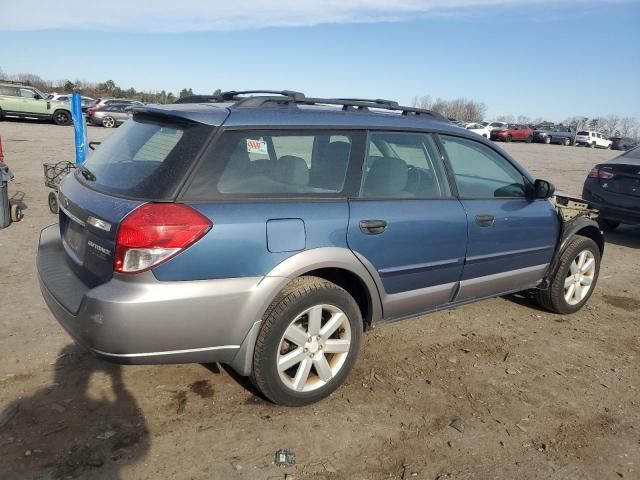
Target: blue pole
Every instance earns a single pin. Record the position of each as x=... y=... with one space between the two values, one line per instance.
x=79 y=127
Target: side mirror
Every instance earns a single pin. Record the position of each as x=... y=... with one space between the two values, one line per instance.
x=37 y=97
x=543 y=189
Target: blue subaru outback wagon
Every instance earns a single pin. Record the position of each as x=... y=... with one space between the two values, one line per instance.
x=267 y=230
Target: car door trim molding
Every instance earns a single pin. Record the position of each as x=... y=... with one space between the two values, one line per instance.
x=499 y=283
x=510 y=253
x=419 y=267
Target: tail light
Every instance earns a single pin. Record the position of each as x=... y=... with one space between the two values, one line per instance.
x=154 y=233
x=601 y=173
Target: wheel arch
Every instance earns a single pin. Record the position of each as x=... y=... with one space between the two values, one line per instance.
x=335 y=264
x=579 y=226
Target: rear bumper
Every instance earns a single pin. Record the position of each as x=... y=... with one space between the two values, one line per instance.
x=612 y=206
x=140 y=320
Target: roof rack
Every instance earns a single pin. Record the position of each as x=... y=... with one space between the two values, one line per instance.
x=14 y=82
x=247 y=98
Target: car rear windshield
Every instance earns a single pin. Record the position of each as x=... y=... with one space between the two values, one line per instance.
x=146 y=158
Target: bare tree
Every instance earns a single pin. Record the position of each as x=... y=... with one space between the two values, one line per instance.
x=610 y=125
x=629 y=127
x=506 y=118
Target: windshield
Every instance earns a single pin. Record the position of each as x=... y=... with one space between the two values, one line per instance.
x=146 y=158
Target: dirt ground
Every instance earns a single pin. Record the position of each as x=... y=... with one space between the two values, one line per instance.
x=536 y=395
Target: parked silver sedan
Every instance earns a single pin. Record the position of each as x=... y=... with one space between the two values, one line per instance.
x=110 y=116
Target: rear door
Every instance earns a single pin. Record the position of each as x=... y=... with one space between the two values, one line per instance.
x=511 y=238
x=10 y=100
x=405 y=225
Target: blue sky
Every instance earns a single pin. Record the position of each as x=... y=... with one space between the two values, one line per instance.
x=530 y=58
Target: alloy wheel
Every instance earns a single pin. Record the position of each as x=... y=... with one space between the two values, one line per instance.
x=580 y=277
x=108 y=122
x=314 y=348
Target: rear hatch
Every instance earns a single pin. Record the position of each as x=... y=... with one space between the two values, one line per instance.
x=145 y=160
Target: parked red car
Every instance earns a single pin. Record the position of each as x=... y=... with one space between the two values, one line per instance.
x=513 y=132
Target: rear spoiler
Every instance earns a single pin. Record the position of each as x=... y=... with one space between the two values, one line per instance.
x=196 y=113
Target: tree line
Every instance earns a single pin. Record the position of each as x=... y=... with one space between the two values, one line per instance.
x=108 y=88
x=471 y=111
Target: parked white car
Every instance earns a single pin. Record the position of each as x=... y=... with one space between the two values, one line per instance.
x=480 y=129
x=592 y=139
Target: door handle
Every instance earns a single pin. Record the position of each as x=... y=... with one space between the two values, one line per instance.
x=484 y=220
x=373 y=227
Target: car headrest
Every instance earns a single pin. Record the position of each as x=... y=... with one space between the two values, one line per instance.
x=292 y=170
x=387 y=176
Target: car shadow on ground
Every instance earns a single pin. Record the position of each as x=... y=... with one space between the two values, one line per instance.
x=624 y=236
x=85 y=424
x=526 y=299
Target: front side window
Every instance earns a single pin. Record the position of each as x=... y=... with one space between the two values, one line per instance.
x=481 y=172
x=276 y=164
x=403 y=165
x=27 y=93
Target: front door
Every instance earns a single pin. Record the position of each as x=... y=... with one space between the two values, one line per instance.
x=511 y=236
x=406 y=226
x=32 y=105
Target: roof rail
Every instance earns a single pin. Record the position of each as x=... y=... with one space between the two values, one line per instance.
x=235 y=95
x=14 y=82
x=248 y=98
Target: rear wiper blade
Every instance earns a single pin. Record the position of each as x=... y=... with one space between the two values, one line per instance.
x=86 y=173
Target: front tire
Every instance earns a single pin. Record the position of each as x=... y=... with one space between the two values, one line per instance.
x=529 y=139
x=566 y=142
x=574 y=279
x=509 y=138
x=61 y=117
x=547 y=140
x=108 y=122
x=308 y=342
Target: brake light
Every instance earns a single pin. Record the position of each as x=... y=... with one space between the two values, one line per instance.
x=154 y=233
x=600 y=173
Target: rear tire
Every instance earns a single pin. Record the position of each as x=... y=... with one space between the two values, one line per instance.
x=575 y=278
x=61 y=117
x=529 y=139
x=607 y=225
x=294 y=362
x=547 y=140
x=509 y=138
x=566 y=142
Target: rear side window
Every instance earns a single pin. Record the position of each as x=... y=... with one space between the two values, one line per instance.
x=583 y=133
x=276 y=164
x=10 y=91
x=481 y=172
x=403 y=165
x=146 y=158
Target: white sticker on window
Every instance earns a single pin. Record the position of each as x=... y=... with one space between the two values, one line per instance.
x=257 y=146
